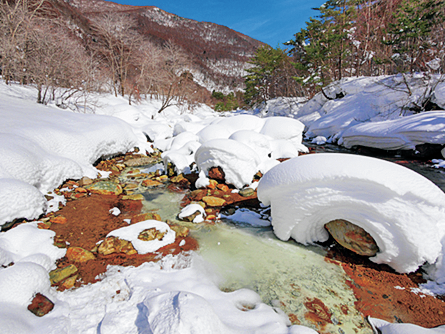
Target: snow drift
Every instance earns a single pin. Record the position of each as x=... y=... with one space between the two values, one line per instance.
x=403 y=211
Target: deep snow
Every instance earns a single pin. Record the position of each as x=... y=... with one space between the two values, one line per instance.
x=41 y=146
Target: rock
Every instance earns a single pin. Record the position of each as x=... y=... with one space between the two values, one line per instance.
x=105 y=188
x=69 y=282
x=115 y=245
x=78 y=254
x=246 y=192
x=44 y=225
x=145 y=216
x=223 y=187
x=80 y=190
x=217 y=174
x=352 y=237
x=171 y=170
x=213 y=201
x=40 y=305
x=58 y=220
x=191 y=217
x=85 y=181
x=142 y=161
x=177 y=179
x=60 y=274
x=212 y=184
x=133 y=197
x=181 y=231
x=151 y=234
x=131 y=186
x=151 y=183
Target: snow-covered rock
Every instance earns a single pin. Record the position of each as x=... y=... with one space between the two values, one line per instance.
x=404 y=133
x=403 y=211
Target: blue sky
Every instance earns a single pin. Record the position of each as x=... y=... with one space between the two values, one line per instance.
x=271 y=21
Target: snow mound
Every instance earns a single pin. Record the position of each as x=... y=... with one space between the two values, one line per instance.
x=27 y=243
x=190 y=210
x=404 y=133
x=131 y=233
x=42 y=146
x=403 y=211
x=238 y=161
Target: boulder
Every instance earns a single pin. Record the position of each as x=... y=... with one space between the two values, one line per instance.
x=151 y=234
x=352 y=237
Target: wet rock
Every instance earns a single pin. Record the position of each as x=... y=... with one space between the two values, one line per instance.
x=133 y=197
x=151 y=234
x=85 y=181
x=223 y=187
x=105 y=188
x=44 y=225
x=246 y=192
x=146 y=216
x=78 y=254
x=80 y=190
x=191 y=217
x=217 y=174
x=181 y=231
x=171 y=170
x=115 y=245
x=151 y=183
x=60 y=274
x=58 y=220
x=213 y=201
x=142 y=161
x=212 y=184
x=40 y=305
x=178 y=179
x=352 y=237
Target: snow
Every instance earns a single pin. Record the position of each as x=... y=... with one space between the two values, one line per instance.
x=41 y=146
x=386 y=327
x=238 y=161
x=131 y=233
x=404 y=133
x=403 y=211
x=190 y=210
x=27 y=243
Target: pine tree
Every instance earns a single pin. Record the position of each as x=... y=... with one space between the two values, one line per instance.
x=410 y=34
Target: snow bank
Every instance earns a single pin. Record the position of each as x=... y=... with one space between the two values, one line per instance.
x=404 y=133
x=375 y=112
x=42 y=146
x=403 y=211
x=131 y=233
x=386 y=327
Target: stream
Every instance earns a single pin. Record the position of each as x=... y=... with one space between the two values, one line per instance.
x=288 y=276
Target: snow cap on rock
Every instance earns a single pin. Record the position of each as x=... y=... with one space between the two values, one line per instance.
x=403 y=211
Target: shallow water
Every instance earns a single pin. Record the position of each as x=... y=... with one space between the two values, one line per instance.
x=285 y=274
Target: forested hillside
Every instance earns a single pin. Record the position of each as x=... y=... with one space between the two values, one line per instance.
x=353 y=38
x=69 y=48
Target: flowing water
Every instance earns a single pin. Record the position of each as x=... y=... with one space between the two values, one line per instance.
x=288 y=276
x=295 y=278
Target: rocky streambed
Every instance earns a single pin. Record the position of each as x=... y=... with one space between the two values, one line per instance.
x=336 y=299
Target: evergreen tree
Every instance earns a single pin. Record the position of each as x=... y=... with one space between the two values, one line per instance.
x=270 y=76
x=410 y=34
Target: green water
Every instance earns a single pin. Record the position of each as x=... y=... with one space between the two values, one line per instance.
x=285 y=274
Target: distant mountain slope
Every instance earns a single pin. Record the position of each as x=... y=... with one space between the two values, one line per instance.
x=219 y=53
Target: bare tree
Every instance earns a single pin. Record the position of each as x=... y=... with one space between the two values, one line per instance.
x=16 y=19
x=117 y=42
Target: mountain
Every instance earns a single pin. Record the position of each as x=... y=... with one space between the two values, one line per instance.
x=219 y=53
